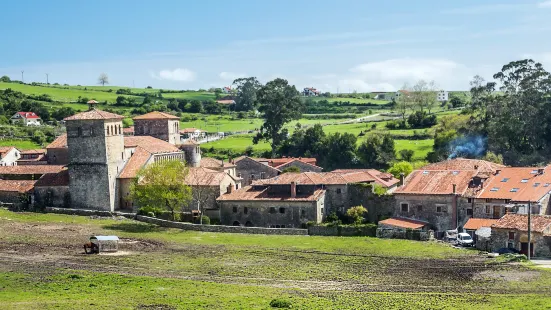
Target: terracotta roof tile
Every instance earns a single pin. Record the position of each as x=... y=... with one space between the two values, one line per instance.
x=37 y=151
x=204 y=177
x=30 y=115
x=275 y=162
x=249 y=193
x=156 y=115
x=209 y=162
x=518 y=184
x=464 y=164
x=476 y=223
x=128 y=129
x=436 y=182
x=280 y=167
x=18 y=186
x=59 y=143
x=30 y=169
x=150 y=144
x=54 y=179
x=365 y=175
x=404 y=223
x=520 y=222
x=229 y=101
x=337 y=177
x=92 y=115
x=135 y=163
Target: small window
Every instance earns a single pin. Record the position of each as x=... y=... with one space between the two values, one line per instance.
x=245 y=210
x=262 y=175
x=252 y=176
x=302 y=212
x=234 y=209
x=272 y=210
x=504 y=180
x=511 y=235
x=455 y=172
x=488 y=199
x=524 y=181
x=440 y=209
x=494 y=189
x=470 y=212
x=546 y=185
x=514 y=190
x=405 y=207
x=281 y=210
x=419 y=208
x=534 y=172
x=469 y=200
x=488 y=209
x=339 y=191
x=510 y=245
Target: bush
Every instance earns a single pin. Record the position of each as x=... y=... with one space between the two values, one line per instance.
x=215 y=222
x=149 y=211
x=280 y=303
x=356 y=214
x=206 y=220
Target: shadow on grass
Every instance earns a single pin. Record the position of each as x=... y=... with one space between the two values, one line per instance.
x=134 y=227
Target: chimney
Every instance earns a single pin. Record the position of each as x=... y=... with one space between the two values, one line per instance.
x=498 y=171
x=222 y=163
x=540 y=171
x=229 y=189
x=454 y=188
x=293 y=189
x=402 y=179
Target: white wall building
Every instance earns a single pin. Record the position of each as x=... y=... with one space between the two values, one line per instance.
x=27 y=118
x=9 y=156
x=442 y=96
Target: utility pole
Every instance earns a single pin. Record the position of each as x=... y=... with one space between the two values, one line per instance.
x=529 y=228
x=22 y=79
x=47 y=81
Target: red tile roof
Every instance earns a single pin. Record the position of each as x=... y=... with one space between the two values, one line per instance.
x=189 y=130
x=156 y=115
x=275 y=162
x=518 y=184
x=59 y=143
x=248 y=193
x=54 y=179
x=476 y=223
x=29 y=152
x=337 y=177
x=93 y=115
x=280 y=167
x=228 y=101
x=208 y=162
x=135 y=163
x=436 y=182
x=16 y=186
x=30 y=169
x=363 y=175
x=519 y=222
x=31 y=115
x=204 y=177
x=128 y=129
x=404 y=223
x=464 y=164
x=150 y=144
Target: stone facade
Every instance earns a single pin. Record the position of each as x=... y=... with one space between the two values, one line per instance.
x=193 y=154
x=96 y=155
x=274 y=214
x=208 y=195
x=304 y=167
x=541 y=243
x=249 y=169
x=57 y=156
x=163 y=129
x=52 y=196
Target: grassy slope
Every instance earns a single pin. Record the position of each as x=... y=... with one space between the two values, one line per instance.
x=238 y=259
x=237 y=143
x=20 y=144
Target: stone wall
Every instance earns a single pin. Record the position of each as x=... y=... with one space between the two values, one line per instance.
x=163 y=129
x=304 y=167
x=223 y=229
x=58 y=156
x=246 y=168
x=83 y=212
x=500 y=239
x=345 y=231
x=272 y=213
x=10 y=197
x=419 y=235
x=378 y=207
x=52 y=196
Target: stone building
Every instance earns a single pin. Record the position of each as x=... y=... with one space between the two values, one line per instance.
x=193 y=153
x=160 y=125
x=27 y=172
x=278 y=206
x=32 y=157
x=96 y=155
x=16 y=191
x=219 y=165
x=57 y=152
x=52 y=190
x=511 y=231
x=250 y=169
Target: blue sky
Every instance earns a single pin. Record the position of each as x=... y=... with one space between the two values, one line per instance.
x=341 y=45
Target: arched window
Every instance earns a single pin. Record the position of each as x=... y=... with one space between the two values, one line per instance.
x=107 y=130
x=120 y=130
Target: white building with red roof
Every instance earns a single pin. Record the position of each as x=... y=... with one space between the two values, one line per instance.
x=9 y=156
x=27 y=118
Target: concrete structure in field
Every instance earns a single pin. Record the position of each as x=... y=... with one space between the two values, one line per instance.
x=9 y=156
x=160 y=125
x=96 y=155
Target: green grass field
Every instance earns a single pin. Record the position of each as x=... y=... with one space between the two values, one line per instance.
x=237 y=143
x=59 y=94
x=420 y=147
x=20 y=144
x=158 y=268
x=352 y=100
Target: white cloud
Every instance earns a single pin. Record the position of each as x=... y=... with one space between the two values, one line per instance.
x=350 y=85
x=231 y=76
x=178 y=74
x=406 y=69
x=544 y=4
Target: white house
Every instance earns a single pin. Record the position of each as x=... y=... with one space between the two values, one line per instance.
x=9 y=156
x=226 y=89
x=310 y=91
x=193 y=133
x=27 y=118
x=442 y=96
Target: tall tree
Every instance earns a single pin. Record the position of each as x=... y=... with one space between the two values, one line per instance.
x=404 y=102
x=162 y=185
x=338 y=151
x=424 y=95
x=246 y=93
x=377 y=151
x=279 y=104
x=103 y=79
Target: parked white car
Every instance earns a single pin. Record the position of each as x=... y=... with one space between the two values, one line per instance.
x=464 y=239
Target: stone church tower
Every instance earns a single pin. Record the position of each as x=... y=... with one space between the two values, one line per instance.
x=160 y=125
x=96 y=155
x=193 y=153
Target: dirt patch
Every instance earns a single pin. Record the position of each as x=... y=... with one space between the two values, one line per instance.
x=507 y=275
x=155 y=307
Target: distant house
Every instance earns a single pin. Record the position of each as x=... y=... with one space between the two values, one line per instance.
x=511 y=231
x=9 y=156
x=310 y=92
x=192 y=133
x=27 y=118
x=442 y=96
x=226 y=89
x=226 y=101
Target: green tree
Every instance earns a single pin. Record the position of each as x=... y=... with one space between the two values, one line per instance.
x=162 y=185
x=400 y=167
x=39 y=137
x=217 y=93
x=404 y=102
x=196 y=106
x=377 y=151
x=5 y=79
x=338 y=151
x=357 y=214
x=246 y=93
x=103 y=79
x=493 y=157
x=279 y=104
x=293 y=169
x=62 y=113
x=406 y=155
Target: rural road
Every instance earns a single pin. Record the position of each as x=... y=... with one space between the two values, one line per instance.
x=357 y=120
x=545 y=263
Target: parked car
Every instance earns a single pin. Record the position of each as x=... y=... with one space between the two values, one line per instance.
x=464 y=239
